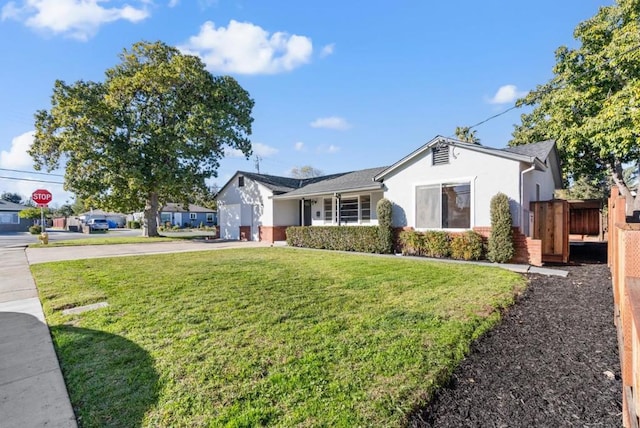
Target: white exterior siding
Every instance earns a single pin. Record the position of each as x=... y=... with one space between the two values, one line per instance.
x=287 y=212
x=487 y=175
x=255 y=207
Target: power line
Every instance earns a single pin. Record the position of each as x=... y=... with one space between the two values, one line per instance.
x=30 y=179
x=31 y=172
x=555 y=88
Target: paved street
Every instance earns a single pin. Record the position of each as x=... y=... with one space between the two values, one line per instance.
x=17 y=239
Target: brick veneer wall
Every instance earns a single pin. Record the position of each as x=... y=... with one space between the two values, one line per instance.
x=245 y=233
x=527 y=250
x=273 y=233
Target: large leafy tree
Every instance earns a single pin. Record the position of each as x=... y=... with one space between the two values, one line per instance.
x=11 y=197
x=591 y=106
x=151 y=133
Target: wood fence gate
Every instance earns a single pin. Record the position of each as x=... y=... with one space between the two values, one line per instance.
x=551 y=226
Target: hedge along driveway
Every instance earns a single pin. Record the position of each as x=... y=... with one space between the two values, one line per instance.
x=270 y=336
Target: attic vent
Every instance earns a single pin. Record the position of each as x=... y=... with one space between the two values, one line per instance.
x=440 y=154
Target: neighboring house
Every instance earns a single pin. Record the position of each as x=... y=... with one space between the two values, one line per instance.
x=115 y=219
x=191 y=215
x=444 y=185
x=9 y=219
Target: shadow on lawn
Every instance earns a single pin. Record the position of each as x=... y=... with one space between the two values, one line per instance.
x=111 y=380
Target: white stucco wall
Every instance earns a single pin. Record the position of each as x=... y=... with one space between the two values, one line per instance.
x=256 y=207
x=487 y=174
x=286 y=212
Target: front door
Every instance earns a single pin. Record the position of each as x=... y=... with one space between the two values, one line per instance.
x=307 y=214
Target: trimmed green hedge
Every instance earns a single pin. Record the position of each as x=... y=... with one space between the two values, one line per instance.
x=467 y=246
x=434 y=243
x=362 y=239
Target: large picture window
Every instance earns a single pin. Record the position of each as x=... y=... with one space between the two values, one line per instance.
x=443 y=206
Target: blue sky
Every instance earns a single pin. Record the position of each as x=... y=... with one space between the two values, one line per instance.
x=338 y=85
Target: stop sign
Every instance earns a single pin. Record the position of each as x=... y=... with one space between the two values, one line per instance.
x=42 y=197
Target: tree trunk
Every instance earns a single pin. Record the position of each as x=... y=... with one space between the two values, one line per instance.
x=150 y=225
x=632 y=203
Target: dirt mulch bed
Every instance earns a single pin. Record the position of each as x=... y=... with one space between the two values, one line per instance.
x=552 y=362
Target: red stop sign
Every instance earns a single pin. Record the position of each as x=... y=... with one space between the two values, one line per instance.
x=42 y=197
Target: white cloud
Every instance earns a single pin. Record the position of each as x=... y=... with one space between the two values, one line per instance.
x=233 y=153
x=78 y=19
x=263 y=150
x=17 y=156
x=331 y=149
x=24 y=183
x=174 y=3
x=507 y=94
x=258 y=149
x=327 y=50
x=245 y=48
x=333 y=122
x=299 y=146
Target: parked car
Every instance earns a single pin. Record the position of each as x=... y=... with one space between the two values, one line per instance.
x=98 y=224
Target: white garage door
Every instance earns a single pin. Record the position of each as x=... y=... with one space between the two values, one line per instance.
x=229 y=217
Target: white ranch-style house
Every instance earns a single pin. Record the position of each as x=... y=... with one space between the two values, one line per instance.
x=444 y=185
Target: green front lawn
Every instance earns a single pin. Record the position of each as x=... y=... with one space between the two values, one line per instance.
x=269 y=336
x=111 y=240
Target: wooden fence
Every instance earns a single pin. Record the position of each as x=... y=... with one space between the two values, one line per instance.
x=624 y=262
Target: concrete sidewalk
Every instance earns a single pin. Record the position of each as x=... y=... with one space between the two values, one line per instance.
x=32 y=390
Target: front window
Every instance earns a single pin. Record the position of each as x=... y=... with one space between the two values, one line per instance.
x=209 y=217
x=365 y=208
x=328 y=210
x=9 y=218
x=193 y=216
x=443 y=206
x=349 y=210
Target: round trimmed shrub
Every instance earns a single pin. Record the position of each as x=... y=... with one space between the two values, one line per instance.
x=500 y=246
x=36 y=229
x=467 y=246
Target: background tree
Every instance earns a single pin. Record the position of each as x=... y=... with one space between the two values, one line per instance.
x=65 y=210
x=153 y=131
x=11 y=197
x=33 y=213
x=591 y=105
x=464 y=133
x=306 y=171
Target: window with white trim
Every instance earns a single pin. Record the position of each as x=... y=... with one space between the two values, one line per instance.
x=193 y=216
x=328 y=209
x=365 y=207
x=349 y=209
x=443 y=206
x=209 y=217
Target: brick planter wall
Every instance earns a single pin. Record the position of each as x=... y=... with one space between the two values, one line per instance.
x=272 y=233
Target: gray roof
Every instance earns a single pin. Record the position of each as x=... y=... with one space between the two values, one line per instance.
x=281 y=185
x=173 y=207
x=350 y=181
x=538 y=150
x=10 y=206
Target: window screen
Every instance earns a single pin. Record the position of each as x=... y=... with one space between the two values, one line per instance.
x=328 y=210
x=365 y=207
x=443 y=206
x=349 y=210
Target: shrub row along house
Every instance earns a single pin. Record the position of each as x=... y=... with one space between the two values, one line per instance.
x=444 y=185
